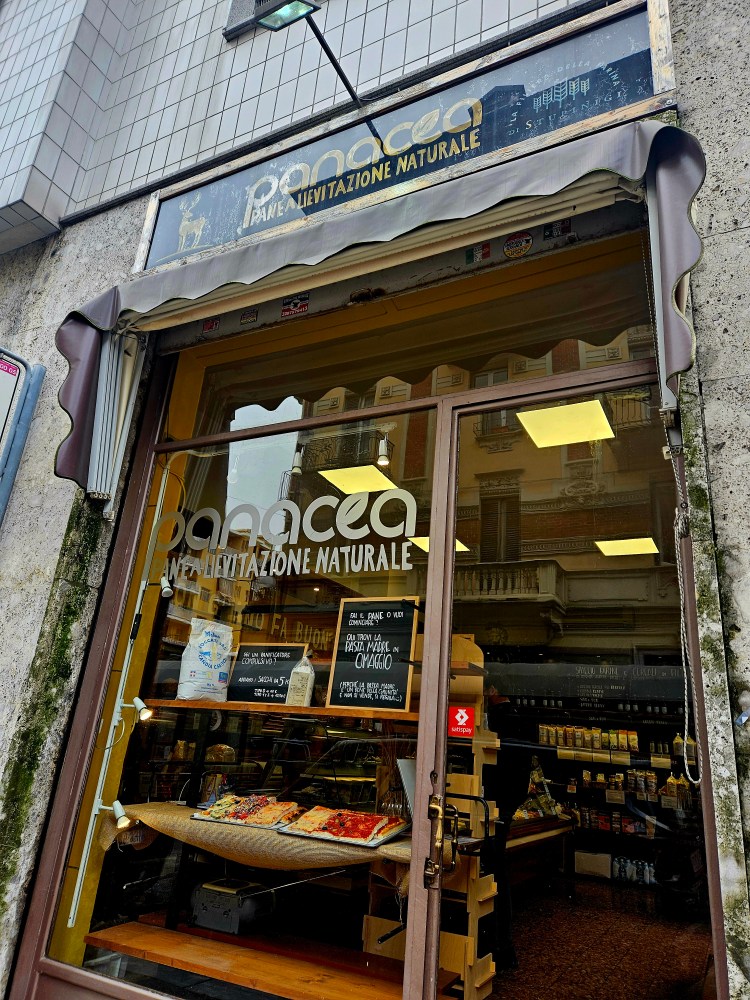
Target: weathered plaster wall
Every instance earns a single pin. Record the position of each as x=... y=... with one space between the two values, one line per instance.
x=50 y=600
x=710 y=44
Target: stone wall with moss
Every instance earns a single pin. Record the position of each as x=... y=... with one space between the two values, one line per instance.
x=55 y=543
x=711 y=47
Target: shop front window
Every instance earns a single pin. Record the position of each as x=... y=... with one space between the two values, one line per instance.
x=278 y=643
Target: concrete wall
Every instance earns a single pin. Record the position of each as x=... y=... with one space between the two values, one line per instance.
x=710 y=45
x=48 y=601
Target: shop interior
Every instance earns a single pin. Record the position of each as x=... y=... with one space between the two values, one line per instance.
x=573 y=838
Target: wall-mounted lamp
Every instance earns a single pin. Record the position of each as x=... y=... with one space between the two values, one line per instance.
x=278 y=14
x=122 y=821
x=384 y=459
x=142 y=709
x=744 y=715
x=297 y=463
x=166 y=587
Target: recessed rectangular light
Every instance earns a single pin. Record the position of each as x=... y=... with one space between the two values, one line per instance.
x=423 y=542
x=627 y=547
x=570 y=424
x=358 y=479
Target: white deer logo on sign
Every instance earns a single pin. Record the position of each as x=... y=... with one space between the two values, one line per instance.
x=190 y=228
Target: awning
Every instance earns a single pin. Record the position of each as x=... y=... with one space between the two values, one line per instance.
x=672 y=159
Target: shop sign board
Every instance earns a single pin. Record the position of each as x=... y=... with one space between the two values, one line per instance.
x=373 y=653
x=592 y=684
x=392 y=154
x=261 y=671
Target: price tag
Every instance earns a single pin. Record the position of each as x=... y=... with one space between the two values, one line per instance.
x=659 y=760
x=615 y=796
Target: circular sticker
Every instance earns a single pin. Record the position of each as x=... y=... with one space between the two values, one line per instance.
x=517 y=245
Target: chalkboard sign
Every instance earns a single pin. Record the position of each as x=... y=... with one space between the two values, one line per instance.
x=261 y=671
x=372 y=655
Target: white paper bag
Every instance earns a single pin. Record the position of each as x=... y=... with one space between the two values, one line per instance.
x=206 y=660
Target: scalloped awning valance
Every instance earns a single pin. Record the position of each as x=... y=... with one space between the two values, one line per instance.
x=668 y=160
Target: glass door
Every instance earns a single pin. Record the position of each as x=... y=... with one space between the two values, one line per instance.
x=571 y=750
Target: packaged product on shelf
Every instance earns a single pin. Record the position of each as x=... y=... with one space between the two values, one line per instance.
x=600 y=781
x=684 y=795
x=569 y=736
x=619 y=781
x=640 y=781
x=578 y=738
x=632 y=741
x=594 y=814
x=678 y=746
x=561 y=736
x=586 y=780
x=651 y=782
x=631 y=779
x=587 y=742
x=596 y=738
x=204 y=670
x=585 y=817
x=543 y=735
x=622 y=739
x=690 y=750
x=671 y=784
x=605 y=823
x=301 y=683
x=613 y=739
x=616 y=822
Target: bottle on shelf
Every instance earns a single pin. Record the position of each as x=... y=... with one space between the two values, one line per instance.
x=301 y=683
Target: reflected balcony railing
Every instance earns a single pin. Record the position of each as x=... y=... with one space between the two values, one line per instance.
x=503 y=580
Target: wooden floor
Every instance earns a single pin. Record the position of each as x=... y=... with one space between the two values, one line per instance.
x=281 y=975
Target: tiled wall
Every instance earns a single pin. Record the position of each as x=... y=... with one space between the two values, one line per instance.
x=34 y=40
x=129 y=91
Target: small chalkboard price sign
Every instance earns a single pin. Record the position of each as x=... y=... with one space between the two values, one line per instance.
x=261 y=671
x=372 y=654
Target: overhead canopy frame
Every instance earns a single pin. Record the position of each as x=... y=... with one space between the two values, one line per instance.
x=666 y=159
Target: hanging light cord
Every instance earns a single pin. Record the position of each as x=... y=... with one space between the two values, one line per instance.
x=682 y=531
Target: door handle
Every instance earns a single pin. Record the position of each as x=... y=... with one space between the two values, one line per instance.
x=432 y=865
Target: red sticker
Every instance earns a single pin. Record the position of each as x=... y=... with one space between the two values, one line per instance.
x=461 y=721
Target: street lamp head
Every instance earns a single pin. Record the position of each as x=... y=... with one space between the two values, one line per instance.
x=271 y=14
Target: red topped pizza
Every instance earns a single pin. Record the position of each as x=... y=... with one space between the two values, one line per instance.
x=345 y=825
